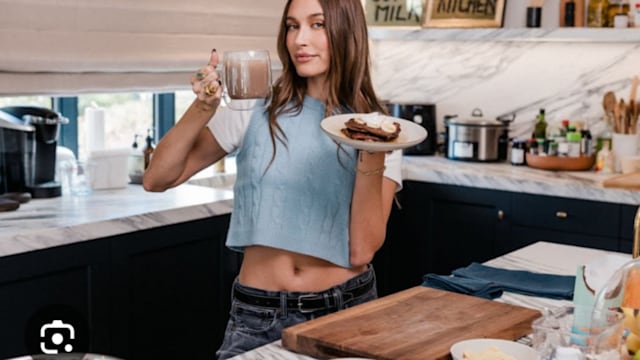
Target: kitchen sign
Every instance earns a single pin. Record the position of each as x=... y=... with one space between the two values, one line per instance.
x=394 y=12
x=463 y=13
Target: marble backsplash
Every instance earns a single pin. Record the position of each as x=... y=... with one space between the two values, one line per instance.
x=504 y=75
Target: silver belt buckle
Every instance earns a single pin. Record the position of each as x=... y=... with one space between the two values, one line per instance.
x=306 y=311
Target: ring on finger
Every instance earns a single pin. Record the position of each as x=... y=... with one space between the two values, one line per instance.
x=211 y=89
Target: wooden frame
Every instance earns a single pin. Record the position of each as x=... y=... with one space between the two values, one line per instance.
x=461 y=14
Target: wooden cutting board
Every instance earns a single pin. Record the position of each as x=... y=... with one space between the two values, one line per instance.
x=629 y=181
x=418 y=323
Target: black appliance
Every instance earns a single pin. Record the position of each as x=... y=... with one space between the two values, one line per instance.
x=16 y=154
x=38 y=159
x=423 y=115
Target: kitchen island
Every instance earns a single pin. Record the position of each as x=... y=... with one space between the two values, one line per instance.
x=539 y=257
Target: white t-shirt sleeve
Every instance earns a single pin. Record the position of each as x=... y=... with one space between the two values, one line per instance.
x=393 y=162
x=228 y=127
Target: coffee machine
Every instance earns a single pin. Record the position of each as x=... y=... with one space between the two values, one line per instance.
x=423 y=115
x=29 y=165
x=16 y=154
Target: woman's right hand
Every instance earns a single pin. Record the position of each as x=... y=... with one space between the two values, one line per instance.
x=206 y=83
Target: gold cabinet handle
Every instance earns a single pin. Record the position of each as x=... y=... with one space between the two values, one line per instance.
x=561 y=214
x=500 y=215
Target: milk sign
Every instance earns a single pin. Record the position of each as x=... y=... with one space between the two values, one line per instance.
x=394 y=12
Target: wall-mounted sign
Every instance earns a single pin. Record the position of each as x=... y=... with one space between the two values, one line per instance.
x=463 y=13
x=394 y=12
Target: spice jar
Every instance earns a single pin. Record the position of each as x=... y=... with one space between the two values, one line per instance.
x=518 y=149
x=618 y=13
x=574 y=139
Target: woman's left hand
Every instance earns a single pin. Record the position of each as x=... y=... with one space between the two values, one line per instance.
x=206 y=82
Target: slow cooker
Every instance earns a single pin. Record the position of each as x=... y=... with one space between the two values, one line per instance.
x=475 y=138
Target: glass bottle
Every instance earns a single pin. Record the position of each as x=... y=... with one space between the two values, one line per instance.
x=604 y=159
x=541 y=126
x=148 y=148
x=136 y=162
x=597 y=13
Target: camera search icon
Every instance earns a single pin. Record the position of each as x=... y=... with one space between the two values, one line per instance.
x=56 y=337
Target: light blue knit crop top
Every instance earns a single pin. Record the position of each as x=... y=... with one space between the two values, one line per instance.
x=302 y=202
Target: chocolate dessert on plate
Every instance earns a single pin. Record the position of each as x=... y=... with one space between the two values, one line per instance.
x=357 y=128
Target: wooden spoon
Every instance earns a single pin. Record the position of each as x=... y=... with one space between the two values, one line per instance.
x=617 y=124
x=634 y=88
x=609 y=103
x=623 y=116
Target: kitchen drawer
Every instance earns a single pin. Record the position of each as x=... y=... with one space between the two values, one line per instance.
x=523 y=236
x=566 y=215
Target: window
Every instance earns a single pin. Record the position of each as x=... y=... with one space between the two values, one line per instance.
x=126 y=114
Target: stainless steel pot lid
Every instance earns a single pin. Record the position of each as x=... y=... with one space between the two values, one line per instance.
x=477 y=120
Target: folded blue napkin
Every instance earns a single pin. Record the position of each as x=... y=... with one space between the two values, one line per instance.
x=522 y=282
x=480 y=288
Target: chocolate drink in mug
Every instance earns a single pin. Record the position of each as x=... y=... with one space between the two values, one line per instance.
x=247 y=75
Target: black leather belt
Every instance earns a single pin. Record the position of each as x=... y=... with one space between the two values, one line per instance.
x=305 y=303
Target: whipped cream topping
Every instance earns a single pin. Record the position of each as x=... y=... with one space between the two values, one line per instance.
x=373 y=121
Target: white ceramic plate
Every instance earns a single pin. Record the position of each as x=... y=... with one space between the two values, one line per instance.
x=517 y=350
x=410 y=133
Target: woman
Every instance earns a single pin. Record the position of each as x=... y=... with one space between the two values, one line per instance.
x=308 y=214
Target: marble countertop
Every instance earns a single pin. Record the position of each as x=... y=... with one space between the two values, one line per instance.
x=43 y=223
x=540 y=257
x=586 y=185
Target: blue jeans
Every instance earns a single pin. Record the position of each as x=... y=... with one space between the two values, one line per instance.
x=252 y=326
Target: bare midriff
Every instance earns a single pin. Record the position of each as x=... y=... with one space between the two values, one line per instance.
x=280 y=270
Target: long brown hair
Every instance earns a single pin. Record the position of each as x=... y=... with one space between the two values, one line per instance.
x=348 y=79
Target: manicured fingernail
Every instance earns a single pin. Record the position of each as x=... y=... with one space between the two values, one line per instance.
x=200 y=75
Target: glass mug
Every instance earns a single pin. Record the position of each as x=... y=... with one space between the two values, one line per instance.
x=246 y=78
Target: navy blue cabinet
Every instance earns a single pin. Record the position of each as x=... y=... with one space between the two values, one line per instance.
x=169 y=291
x=439 y=228
x=568 y=221
x=160 y=293
x=59 y=281
x=627 y=216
